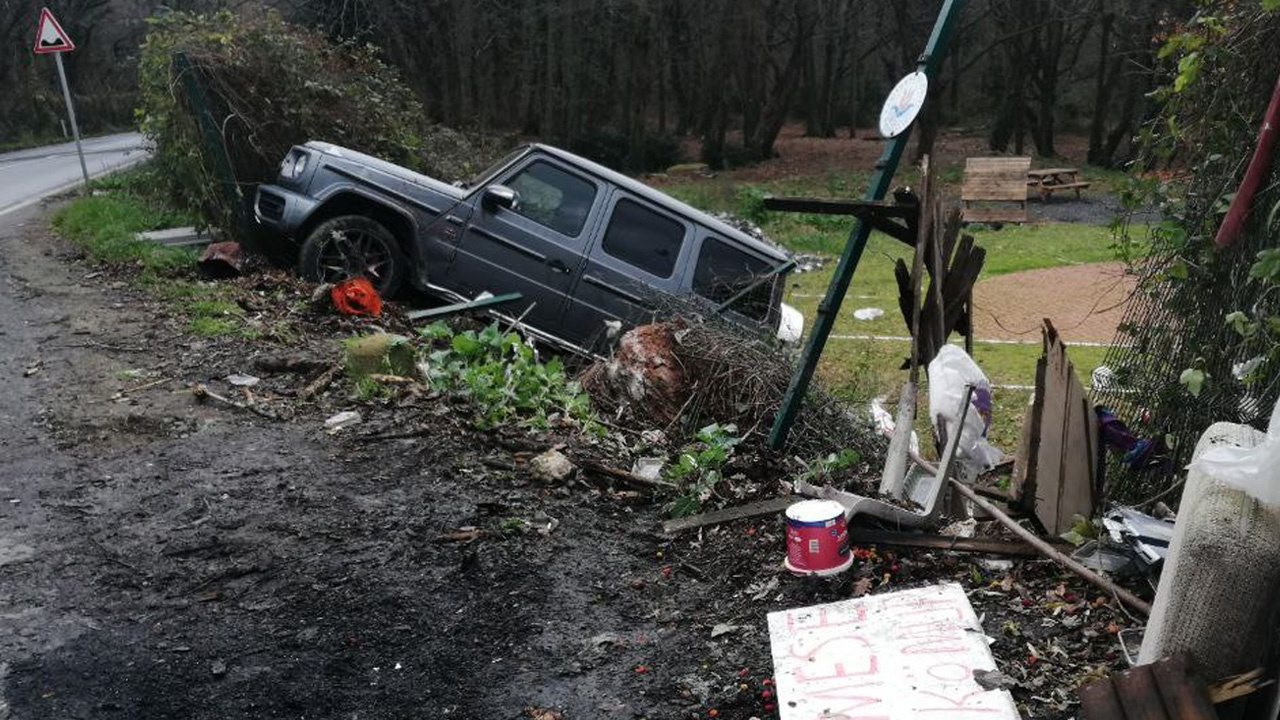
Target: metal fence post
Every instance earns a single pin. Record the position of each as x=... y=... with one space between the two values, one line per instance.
x=885 y=169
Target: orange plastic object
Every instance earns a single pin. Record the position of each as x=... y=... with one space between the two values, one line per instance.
x=356 y=297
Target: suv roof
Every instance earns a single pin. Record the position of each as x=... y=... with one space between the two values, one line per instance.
x=659 y=198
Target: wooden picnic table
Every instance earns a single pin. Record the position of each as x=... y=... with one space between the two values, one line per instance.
x=1050 y=180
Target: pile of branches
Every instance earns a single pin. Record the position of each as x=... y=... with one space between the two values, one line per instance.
x=692 y=371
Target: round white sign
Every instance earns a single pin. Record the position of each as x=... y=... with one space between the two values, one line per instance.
x=904 y=104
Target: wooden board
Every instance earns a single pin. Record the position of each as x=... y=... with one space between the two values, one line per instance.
x=1057 y=465
x=995 y=180
x=1166 y=690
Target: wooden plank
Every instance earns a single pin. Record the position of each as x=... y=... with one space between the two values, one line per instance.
x=1050 y=172
x=1075 y=492
x=1049 y=464
x=1098 y=701
x=1183 y=692
x=755 y=509
x=1064 y=186
x=1138 y=694
x=868 y=536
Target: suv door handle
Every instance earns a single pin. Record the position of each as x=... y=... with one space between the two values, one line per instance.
x=558 y=265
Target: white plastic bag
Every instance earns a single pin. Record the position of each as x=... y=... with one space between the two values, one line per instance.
x=1254 y=470
x=949 y=374
x=885 y=422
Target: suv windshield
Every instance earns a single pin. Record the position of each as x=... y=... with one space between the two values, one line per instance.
x=487 y=174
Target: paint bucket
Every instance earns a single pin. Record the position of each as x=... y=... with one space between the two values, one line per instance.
x=817 y=538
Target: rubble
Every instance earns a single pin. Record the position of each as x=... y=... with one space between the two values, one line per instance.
x=552 y=467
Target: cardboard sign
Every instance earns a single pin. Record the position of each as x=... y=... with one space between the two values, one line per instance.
x=50 y=37
x=899 y=655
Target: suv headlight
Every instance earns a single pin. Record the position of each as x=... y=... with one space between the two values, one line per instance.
x=293 y=165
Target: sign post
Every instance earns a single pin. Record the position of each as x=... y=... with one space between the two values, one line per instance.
x=51 y=39
x=901 y=110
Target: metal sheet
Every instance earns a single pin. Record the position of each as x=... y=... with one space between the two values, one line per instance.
x=906 y=654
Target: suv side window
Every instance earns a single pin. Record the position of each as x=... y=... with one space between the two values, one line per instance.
x=724 y=271
x=552 y=197
x=641 y=237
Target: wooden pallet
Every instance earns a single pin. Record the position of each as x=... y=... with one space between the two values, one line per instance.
x=1165 y=690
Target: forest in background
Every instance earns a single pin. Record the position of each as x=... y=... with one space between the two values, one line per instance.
x=625 y=80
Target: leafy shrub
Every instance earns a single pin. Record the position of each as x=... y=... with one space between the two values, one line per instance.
x=503 y=377
x=700 y=467
x=272 y=85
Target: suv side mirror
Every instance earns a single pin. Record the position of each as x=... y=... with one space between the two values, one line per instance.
x=500 y=196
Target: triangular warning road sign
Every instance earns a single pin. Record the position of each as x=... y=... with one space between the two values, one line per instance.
x=50 y=37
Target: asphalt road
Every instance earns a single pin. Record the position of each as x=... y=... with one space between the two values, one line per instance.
x=26 y=176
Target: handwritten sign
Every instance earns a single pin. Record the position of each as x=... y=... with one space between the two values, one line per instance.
x=905 y=654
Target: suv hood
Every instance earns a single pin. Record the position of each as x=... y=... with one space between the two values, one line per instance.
x=402 y=173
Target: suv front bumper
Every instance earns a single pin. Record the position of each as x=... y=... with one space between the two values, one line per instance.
x=282 y=209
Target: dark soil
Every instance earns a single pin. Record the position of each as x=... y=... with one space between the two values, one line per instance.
x=163 y=558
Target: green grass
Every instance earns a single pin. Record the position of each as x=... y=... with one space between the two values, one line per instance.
x=861 y=369
x=105 y=225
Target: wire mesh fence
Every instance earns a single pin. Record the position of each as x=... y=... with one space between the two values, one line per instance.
x=1182 y=360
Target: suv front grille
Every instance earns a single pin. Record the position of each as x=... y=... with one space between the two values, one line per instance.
x=270 y=205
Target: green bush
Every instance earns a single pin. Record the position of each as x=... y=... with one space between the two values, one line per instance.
x=502 y=376
x=270 y=86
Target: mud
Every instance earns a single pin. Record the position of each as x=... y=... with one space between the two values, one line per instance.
x=161 y=558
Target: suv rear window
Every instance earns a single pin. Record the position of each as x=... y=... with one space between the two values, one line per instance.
x=552 y=197
x=641 y=237
x=724 y=271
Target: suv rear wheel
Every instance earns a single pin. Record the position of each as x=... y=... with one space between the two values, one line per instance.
x=353 y=246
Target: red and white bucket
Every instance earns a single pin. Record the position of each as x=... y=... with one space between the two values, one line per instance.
x=817 y=538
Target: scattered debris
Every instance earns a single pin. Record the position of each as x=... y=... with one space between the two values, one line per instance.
x=344 y=419
x=462 y=535
x=993 y=680
x=626 y=477
x=204 y=393
x=868 y=313
x=221 y=260
x=723 y=629
x=485 y=300
x=380 y=353
x=648 y=468
x=218 y=668
x=176 y=237
x=356 y=297
x=242 y=380
x=321 y=382
x=552 y=467
x=1148 y=537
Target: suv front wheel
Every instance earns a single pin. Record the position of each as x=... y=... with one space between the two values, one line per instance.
x=353 y=246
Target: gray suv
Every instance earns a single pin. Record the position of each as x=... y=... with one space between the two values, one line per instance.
x=586 y=247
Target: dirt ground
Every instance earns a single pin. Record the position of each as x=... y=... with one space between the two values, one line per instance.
x=161 y=558
x=1085 y=302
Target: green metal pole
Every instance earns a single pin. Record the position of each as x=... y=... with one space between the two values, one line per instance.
x=215 y=146
x=885 y=169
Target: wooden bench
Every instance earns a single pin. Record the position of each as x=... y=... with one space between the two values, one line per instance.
x=996 y=183
x=1050 y=180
